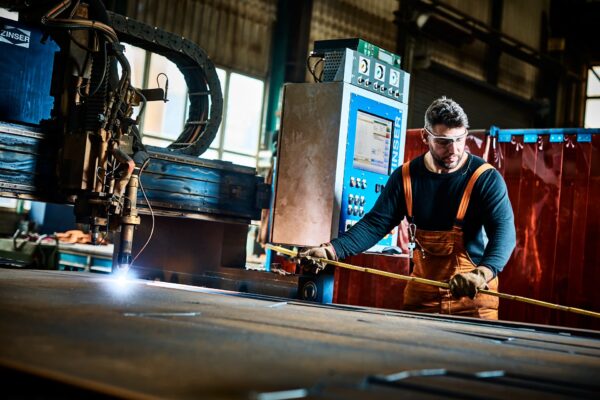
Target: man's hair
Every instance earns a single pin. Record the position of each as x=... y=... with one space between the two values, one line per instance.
x=446 y=112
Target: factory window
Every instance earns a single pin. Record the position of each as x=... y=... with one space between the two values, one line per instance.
x=238 y=137
x=8 y=203
x=15 y=204
x=163 y=122
x=592 y=106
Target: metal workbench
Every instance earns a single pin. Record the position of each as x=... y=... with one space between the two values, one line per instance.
x=66 y=334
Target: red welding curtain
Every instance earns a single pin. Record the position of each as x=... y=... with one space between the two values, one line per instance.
x=553 y=188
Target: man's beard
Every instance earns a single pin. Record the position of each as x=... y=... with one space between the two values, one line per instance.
x=442 y=164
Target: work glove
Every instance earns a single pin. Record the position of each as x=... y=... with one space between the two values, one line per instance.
x=325 y=250
x=469 y=283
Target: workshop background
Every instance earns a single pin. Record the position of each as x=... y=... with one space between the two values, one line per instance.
x=510 y=64
x=215 y=313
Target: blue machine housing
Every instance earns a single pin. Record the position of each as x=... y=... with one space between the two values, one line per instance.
x=362 y=187
x=193 y=185
x=175 y=184
x=25 y=67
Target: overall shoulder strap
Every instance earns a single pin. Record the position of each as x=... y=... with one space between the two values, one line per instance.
x=407 y=189
x=464 y=203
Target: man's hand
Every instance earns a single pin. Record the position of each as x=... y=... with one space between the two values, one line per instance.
x=469 y=283
x=307 y=257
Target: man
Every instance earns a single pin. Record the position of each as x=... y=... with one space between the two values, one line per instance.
x=450 y=196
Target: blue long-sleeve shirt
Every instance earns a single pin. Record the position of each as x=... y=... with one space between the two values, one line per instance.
x=436 y=198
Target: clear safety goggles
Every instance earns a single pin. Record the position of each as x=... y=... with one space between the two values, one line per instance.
x=445 y=140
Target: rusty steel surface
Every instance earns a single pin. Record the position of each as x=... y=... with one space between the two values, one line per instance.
x=157 y=340
x=358 y=288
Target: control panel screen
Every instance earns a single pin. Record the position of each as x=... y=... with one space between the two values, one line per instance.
x=373 y=143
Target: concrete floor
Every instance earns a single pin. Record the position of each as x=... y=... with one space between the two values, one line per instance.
x=89 y=336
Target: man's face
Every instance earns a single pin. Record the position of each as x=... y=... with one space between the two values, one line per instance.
x=446 y=145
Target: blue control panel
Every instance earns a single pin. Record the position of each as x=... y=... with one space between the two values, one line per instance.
x=373 y=152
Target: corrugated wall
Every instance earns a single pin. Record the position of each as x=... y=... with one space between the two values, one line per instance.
x=371 y=20
x=467 y=59
x=484 y=107
x=236 y=34
x=521 y=20
x=507 y=104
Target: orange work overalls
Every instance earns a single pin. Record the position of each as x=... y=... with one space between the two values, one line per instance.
x=439 y=255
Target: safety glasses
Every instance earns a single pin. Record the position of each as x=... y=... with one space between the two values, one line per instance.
x=445 y=140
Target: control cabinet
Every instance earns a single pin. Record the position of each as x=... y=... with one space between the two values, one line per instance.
x=339 y=142
x=373 y=151
x=338 y=145
x=368 y=67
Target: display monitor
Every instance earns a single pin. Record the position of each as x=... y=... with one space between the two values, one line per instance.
x=373 y=143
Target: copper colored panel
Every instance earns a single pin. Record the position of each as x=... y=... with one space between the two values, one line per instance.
x=533 y=172
x=477 y=143
x=513 y=274
x=568 y=266
x=359 y=288
x=526 y=269
x=306 y=166
x=589 y=274
x=414 y=146
x=546 y=206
